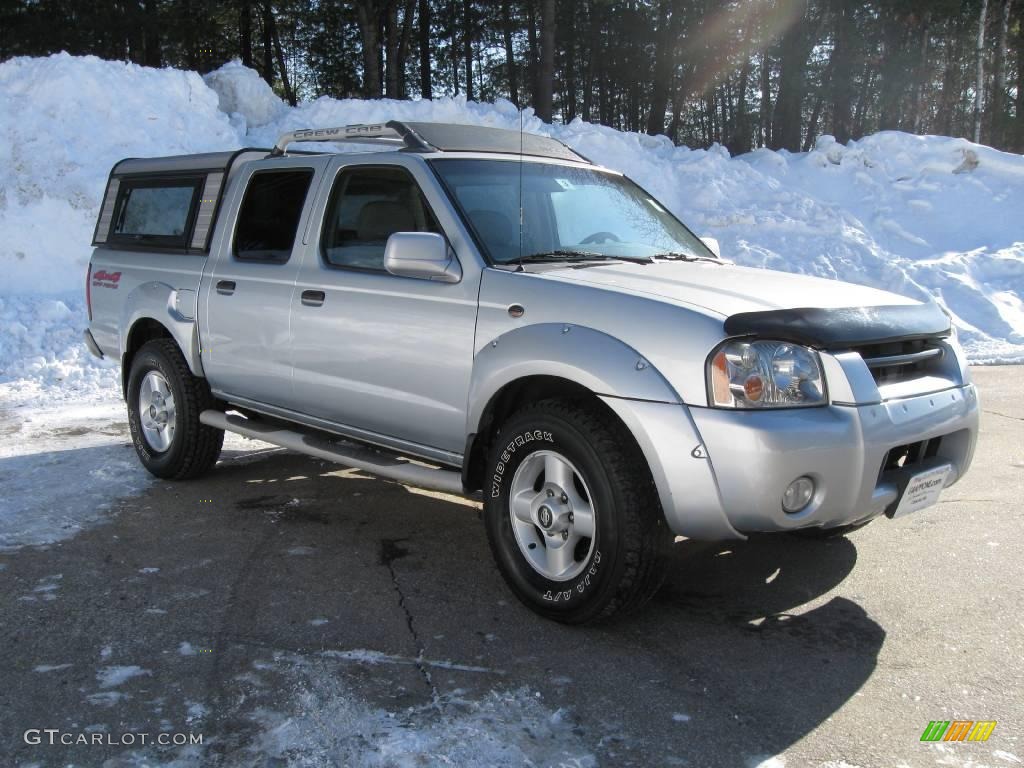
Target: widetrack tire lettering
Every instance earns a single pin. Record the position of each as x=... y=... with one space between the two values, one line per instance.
x=515 y=444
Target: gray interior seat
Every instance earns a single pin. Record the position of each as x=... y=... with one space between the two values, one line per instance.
x=380 y=219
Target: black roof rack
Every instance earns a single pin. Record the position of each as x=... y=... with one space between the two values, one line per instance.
x=434 y=137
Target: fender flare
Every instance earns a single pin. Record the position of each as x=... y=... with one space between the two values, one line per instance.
x=634 y=390
x=174 y=309
x=593 y=359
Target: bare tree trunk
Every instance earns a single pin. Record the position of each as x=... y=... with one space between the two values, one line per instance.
x=369 y=28
x=152 y=56
x=663 y=65
x=391 y=42
x=997 y=120
x=633 y=102
x=951 y=80
x=245 y=31
x=766 y=100
x=454 y=19
x=467 y=45
x=404 y=45
x=740 y=142
x=266 y=19
x=867 y=84
x=921 y=76
x=842 y=71
x=1020 y=84
x=725 y=103
x=979 y=81
x=602 y=54
x=712 y=116
x=812 y=125
x=546 y=71
x=787 y=119
x=593 y=43
x=189 y=36
x=570 y=63
x=426 y=89
x=893 y=67
x=533 y=52
x=510 y=54
x=289 y=94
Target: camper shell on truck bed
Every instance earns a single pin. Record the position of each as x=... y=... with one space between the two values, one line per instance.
x=210 y=172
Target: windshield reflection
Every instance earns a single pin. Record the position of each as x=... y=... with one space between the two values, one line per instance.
x=568 y=213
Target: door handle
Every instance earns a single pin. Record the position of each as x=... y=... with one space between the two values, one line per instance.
x=313 y=298
x=226 y=287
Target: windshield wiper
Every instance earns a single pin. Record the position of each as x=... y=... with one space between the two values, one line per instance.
x=678 y=256
x=567 y=255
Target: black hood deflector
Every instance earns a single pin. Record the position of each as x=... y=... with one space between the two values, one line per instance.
x=846 y=327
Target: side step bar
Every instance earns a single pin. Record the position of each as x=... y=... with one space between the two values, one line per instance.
x=377 y=463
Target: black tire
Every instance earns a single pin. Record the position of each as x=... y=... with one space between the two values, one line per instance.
x=625 y=566
x=195 y=447
x=824 y=534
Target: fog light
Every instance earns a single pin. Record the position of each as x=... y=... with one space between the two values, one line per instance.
x=798 y=495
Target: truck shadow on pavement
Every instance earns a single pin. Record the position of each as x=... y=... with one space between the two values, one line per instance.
x=281 y=595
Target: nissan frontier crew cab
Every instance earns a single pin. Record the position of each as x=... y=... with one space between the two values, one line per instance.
x=488 y=313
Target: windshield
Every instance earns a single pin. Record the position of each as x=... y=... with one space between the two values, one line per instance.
x=567 y=213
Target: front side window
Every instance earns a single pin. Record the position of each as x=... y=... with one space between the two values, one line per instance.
x=367 y=206
x=268 y=220
x=519 y=210
x=155 y=211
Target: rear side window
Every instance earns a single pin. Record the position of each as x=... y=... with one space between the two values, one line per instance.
x=269 y=217
x=367 y=206
x=156 y=212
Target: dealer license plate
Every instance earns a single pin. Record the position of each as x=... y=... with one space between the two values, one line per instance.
x=923 y=490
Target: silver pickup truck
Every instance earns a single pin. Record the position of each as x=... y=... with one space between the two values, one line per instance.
x=488 y=313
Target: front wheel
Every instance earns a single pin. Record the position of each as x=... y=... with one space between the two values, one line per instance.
x=164 y=403
x=572 y=515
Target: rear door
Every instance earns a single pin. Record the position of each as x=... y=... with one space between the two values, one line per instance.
x=384 y=358
x=248 y=291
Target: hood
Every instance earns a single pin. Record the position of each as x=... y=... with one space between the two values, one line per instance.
x=726 y=289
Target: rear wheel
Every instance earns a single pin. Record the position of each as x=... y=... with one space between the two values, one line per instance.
x=164 y=403
x=572 y=514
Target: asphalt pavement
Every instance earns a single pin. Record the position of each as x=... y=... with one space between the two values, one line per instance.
x=295 y=613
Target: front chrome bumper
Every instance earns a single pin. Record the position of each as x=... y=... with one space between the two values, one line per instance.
x=721 y=473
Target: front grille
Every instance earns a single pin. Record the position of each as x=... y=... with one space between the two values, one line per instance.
x=896 y=361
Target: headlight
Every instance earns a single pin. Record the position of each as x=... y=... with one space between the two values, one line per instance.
x=764 y=374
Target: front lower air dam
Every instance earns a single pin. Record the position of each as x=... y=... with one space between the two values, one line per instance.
x=797 y=495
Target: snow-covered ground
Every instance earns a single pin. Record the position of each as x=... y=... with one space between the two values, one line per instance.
x=61 y=469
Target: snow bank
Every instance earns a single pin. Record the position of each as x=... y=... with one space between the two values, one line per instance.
x=244 y=95
x=923 y=216
x=42 y=358
x=64 y=121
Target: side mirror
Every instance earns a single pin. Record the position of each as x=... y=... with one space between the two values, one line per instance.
x=423 y=255
x=713 y=246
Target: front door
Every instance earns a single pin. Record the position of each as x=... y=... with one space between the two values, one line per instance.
x=248 y=290
x=385 y=358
